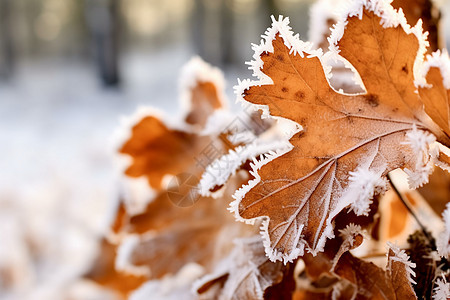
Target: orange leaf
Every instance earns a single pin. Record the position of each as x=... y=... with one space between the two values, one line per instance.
x=348 y=142
x=104 y=273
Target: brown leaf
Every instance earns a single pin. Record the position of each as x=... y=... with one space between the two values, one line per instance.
x=171 y=236
x=205 y=100
x=370 y=281
x=437 y=190
x=245 y=274
x=399 y=271
x=435 y=96
x=104 y=273
x=348 y=141
x=157 y=150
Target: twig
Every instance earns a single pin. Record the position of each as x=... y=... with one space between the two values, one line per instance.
x=410 y=210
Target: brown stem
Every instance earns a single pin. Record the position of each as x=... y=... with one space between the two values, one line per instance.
x=409 y=208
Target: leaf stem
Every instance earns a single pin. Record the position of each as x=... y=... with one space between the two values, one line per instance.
x=409 y=208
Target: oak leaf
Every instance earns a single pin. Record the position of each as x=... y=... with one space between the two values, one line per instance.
x=103 y=272
x=245 y=274
x=348 y=143
x=165 y=237
x=159 y=146
x=399 y=271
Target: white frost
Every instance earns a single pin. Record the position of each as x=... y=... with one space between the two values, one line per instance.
x=364 y=184
x=401 y=256
x=421 y=143
x=441 y=289
x=443 y=240
x=195 y=71
x=123 y=257
x=218 y=172
x=438 y=60
x=322 y=11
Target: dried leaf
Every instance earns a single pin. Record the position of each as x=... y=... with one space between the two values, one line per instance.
x=104 y=273
x=435 y=93
x=245 y=274
x=157 y=151
x=437 y=190
x=399 y=271
x=165 y=236
x=348 y=142
x=370 y=281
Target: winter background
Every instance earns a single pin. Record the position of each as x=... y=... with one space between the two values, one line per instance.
x=69 y=70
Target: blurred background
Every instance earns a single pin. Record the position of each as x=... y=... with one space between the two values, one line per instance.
x=68 y=70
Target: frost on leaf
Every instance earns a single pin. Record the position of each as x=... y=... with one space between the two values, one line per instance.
x=443 y=240
x=400 y=272
x=202 y=91
x=157 y=150
x=299 y=193
x=166 y=236
x=435 y=92
x=245 y=274
x=160 y=146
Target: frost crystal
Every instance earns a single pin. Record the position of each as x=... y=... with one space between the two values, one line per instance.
x=441 y=290
x=364 y=184
x=439 y=60
x=443 y=240
x=221 y=169
x=349 y=232
x=420 y=142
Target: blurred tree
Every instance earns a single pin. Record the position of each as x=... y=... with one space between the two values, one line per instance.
x=103 y=22
x=7 y=56
x=212 y=31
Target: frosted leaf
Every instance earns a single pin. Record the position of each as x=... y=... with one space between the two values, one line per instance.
x=175 y=287
x=246 y=273
x=345 y=144
x=399 y=256
x=217 y=173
